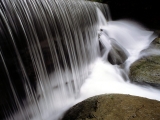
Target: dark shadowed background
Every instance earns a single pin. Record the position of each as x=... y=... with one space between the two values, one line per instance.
x=146 y=12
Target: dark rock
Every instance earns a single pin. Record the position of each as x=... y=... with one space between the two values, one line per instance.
x=117 y=54
x=156 y=43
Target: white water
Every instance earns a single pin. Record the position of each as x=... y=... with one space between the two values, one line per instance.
x=108 y=78
x=104 y=77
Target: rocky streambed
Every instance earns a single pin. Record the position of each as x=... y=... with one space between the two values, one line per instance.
x=145 y=70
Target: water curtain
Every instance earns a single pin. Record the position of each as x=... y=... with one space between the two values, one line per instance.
x=46 y=47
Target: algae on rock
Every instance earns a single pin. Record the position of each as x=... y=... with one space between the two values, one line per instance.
x=115 y=107
x=147 y=69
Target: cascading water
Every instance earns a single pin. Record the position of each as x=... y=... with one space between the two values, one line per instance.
x=48 y=48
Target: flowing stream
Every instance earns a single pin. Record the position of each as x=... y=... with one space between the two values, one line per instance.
x=55 y=53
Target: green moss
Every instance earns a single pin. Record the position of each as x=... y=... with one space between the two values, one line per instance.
x=146 y=70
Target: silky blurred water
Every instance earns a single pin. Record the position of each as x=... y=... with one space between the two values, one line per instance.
x=53 y=46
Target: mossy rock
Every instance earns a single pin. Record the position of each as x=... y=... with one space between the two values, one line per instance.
x=115 y=107
x=147 y=69
x=156 y=43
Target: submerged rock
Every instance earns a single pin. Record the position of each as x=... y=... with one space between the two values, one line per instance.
x=117 y=54
x=115 y=107
x=147 y=69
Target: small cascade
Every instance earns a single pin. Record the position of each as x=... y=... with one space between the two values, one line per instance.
x=55 y=53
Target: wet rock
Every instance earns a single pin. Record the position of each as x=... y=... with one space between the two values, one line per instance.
x=115 y=107
x=156 y=43
x=147 y=69
x=117 y=54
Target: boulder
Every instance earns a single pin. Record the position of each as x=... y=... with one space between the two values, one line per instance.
x=115 y=107
x=147 y=69
x=118 y=54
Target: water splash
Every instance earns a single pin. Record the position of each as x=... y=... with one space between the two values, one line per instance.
x=108 y=78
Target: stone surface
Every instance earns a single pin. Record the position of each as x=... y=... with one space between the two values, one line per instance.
x=156 y=43
x=147 y=69
x=115 y=107
x=117 y=55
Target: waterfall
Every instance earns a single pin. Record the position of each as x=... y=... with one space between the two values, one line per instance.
x=51 y=51
x=46 y=48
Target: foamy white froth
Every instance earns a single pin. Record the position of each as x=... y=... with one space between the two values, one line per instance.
x=108 y=78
